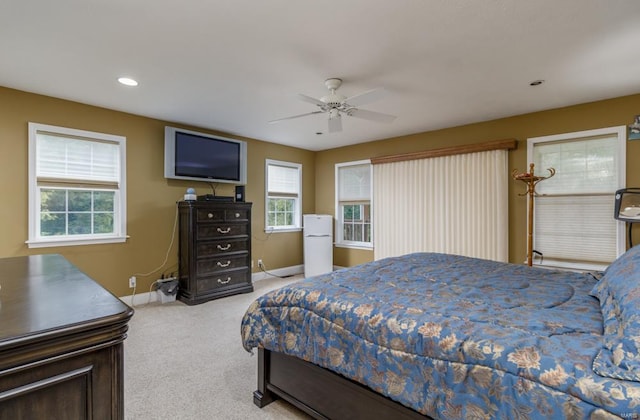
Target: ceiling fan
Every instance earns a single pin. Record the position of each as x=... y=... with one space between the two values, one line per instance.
x=337 y=105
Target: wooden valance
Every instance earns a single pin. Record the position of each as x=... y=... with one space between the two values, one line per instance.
x=508 y=144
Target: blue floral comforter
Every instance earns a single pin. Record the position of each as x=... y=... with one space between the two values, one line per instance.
x=451 y=337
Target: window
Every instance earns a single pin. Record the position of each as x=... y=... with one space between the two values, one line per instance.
x=283 y=195
x=76 y=187
x=573 y=214
x=353 y=204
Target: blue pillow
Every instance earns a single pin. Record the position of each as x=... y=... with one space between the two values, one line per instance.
x=619 y=295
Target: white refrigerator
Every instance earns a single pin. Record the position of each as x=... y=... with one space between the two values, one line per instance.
x=318 y=244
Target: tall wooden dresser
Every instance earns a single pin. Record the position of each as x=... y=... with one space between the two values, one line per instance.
x=61 y=342
x=215 y=250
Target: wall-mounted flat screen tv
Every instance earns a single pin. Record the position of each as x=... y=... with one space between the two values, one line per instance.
x=194 y=156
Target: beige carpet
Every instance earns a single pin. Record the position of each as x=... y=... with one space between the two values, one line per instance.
x=187 y=362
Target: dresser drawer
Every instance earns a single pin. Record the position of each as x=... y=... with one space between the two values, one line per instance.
x=209 y=266
x=210 y=215
x=239 y=215
x=219 y=215
x=219 y=231
x=211 y=248
x=222 y=280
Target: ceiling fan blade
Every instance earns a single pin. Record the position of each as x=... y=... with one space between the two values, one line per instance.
x=295 y=116
x=310 y=99
x=366 y=97
x=335 y=124
x=371 y=115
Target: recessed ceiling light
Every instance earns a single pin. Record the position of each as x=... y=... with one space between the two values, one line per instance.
x=536 y=82
x=127 y=81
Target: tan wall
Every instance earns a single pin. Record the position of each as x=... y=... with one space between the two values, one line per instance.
x=150 y=197
x=614 y=112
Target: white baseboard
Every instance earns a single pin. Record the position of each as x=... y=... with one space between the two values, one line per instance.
x=140 y=298
x=281 y=272
x=149 y=297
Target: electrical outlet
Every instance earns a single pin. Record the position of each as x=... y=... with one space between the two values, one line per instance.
x=132 y=282
x=260 y=264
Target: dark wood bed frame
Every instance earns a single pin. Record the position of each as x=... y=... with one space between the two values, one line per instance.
x=321 y=393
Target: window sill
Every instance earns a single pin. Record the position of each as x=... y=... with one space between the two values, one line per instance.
x=570 y=266
x=283 y=230
x=354 y=246
x=47 y=243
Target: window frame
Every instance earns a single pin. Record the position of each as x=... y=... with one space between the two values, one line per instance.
x=35 y=240
x=339 y=228
x=620 y=132
x=297 y=226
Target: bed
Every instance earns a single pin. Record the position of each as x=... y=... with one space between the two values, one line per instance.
x=429 y=335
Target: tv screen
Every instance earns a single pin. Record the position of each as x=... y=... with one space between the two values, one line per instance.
x=197 y=156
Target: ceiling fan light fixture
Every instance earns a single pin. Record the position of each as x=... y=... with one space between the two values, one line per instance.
x=335 y=105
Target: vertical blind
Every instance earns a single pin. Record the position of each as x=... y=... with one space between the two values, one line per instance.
x=452 y=204
x=573 y=216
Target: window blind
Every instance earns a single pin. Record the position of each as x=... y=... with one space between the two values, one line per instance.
x=456 y=204
x=66 y=158
x=576 y=228
x=283 y=180
x=582 y=166
x=354 y=184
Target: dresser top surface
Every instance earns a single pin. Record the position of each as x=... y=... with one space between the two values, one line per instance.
x=43 y=294
x=214 y=203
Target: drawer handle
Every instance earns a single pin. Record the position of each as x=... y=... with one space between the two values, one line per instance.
x=227 y=264
x=224 y=248
x=210 y=215
x=237 y=215
x=224 y=281
x=227 y=230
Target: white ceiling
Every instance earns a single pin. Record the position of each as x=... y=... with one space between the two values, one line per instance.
x=234 y=65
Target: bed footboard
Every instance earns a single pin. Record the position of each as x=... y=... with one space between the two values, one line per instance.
x=320 y=392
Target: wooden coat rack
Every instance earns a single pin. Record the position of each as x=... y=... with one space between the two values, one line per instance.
x=531 y=180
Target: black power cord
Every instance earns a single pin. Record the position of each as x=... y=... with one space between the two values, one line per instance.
x=264 y=270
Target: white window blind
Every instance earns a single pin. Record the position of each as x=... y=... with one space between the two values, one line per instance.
x=455 y=204
x=576 y=228
x=283 y=179
x=354 y=183
x=77 y=159
x=583 y=166
x=573 y=214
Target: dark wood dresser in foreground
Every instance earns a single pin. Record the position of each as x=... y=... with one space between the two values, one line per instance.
x=215 y=250
x=61 y=342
